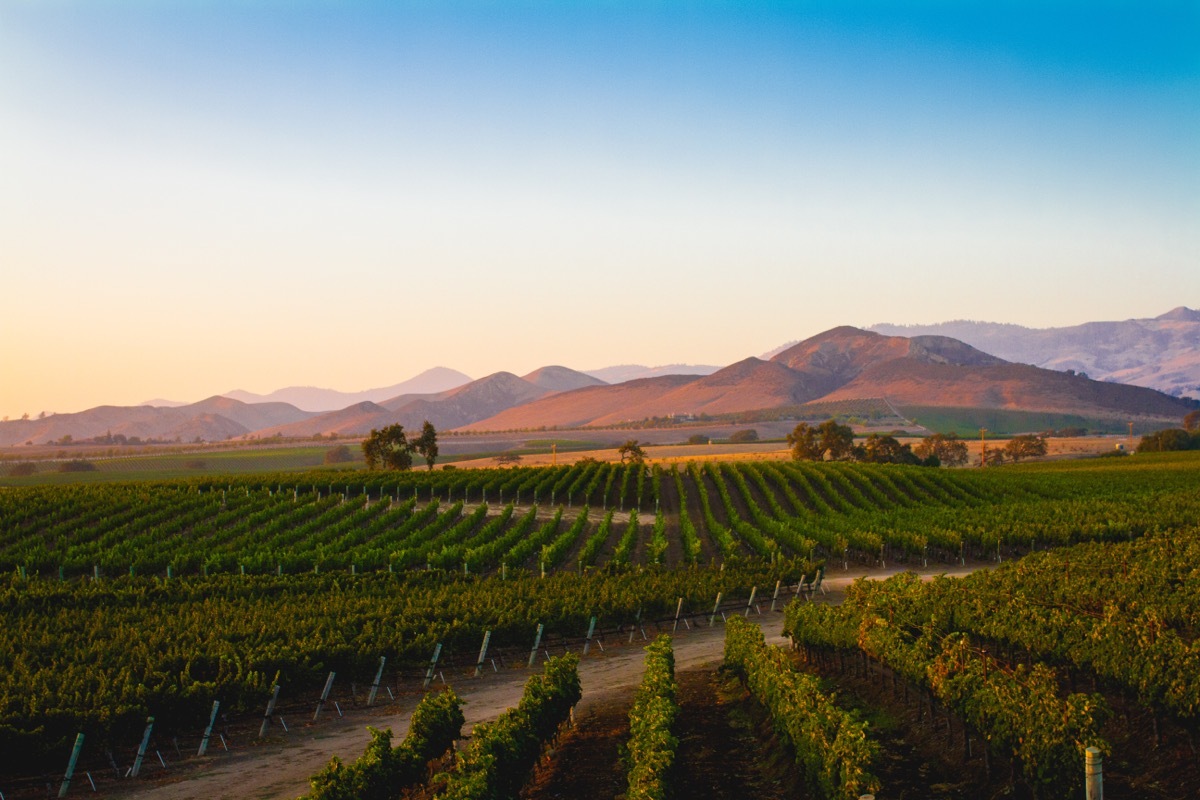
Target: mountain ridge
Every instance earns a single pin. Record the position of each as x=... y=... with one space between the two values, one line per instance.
x=1160 y=352
x=844 y=363
x=926 y=368
x=317 y=399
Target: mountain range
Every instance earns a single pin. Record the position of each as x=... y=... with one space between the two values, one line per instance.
x=1161 y=353
x=842 y=364
x=846 y=364
x=312 y=398
x=214 y=419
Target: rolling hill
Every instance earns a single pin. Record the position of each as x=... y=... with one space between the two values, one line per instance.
x=455 y=408
x=846 y=364
x=561 y=379
x=215 y=419
x=632 y=372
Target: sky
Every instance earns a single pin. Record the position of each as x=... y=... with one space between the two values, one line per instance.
x=203 y=196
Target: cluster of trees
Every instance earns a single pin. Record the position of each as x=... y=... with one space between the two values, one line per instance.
x=1027 y=445
x=1185 y=438
x=390 y=447
x=946 y=448
x=834 y=442
x=116 y=438
x=831 y=441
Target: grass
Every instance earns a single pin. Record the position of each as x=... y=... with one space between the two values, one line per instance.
x=968 y=421
x=189 y=465
x=237 y=461
x=543 y=445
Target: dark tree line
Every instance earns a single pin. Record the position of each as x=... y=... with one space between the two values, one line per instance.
x=833 y=442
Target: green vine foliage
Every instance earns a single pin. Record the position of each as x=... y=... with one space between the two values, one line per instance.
x=503 y=753
x=382 y=772
x=650 y=751
x=831 y=743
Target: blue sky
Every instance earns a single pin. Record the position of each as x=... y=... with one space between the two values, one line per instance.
x=206 y=196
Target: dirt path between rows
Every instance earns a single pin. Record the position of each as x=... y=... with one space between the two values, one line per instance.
x=280 y=768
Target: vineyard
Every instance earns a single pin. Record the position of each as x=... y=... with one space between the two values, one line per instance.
x=122 y=601
x=574 y=517
x=1029 y=660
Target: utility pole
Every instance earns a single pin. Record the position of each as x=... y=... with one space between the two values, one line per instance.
x=554 y=453
x=983 y=446
x=1131 y=436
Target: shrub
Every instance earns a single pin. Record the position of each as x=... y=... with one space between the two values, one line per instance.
x=77 y=465
x=338 y=455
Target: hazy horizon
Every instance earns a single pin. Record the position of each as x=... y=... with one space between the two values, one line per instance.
x=202 y=196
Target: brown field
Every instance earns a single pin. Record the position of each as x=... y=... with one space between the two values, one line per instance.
x=1073 y=447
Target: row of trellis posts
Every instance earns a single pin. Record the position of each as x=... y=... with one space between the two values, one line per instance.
x=807 y=588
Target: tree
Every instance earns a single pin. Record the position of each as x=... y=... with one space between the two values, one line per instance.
x=697 y=438
x=994 y=458
x=803 y=441
x=835 y=440
x=1025 y=446
x=388 y=448
x=632 y=451
x=884 y=449
x=504 y=459
x=426 y=443
x=946 y=447
x=1191 y=423
x=741 y=437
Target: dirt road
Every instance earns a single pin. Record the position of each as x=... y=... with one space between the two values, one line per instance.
x=281 y=768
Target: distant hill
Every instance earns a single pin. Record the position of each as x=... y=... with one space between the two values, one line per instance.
x=161 y=403
x=215 y=419
x=844 y=364
x=583 y=407
x=477 y=400
x=311 y=398
x=455 y=408
x=633 y=372
x=1162 y=353
x=561 y=379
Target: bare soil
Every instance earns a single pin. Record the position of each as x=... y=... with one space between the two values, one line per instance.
x=587 y=761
